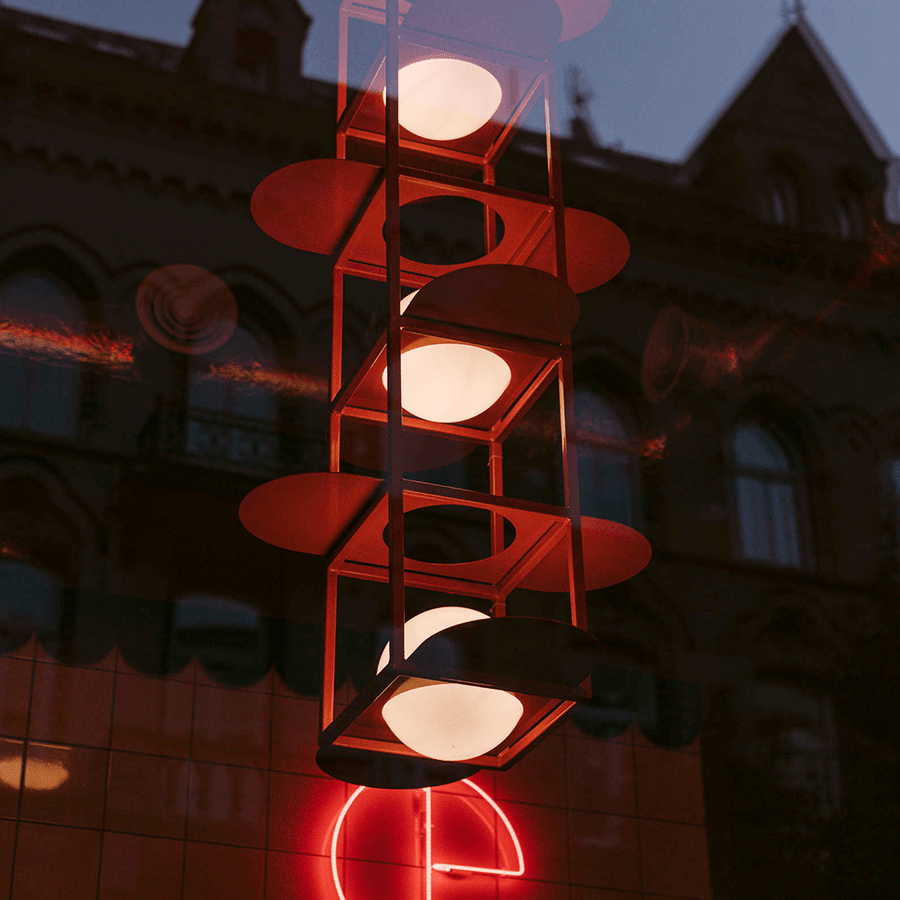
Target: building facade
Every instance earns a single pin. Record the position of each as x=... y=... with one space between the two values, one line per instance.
x=737 y=403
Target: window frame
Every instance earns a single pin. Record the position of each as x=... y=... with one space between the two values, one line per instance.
x=76 y=318
x=849 y=211
x=220 y=434
x=794 y=477
x=626 y=453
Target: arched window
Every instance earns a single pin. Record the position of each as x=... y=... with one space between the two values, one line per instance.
x=782 y=203
x=255 y=48
x=232 y=411
x=39 y=318
x=894 y=484
x=608 y=473
x=30 y=597
x=767 y=495
x=786 y=770
x=850 y=213
x=216 y=384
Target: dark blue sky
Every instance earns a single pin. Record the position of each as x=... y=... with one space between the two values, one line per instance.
x=660 y=69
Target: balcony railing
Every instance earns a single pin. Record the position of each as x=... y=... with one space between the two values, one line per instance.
x=221 y=441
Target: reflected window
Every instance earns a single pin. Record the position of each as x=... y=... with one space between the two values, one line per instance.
x=232 y=412
x=254 y=48
x=785 y=793
x=794 y=739
x=41 y=388
x=850 y=215
x=767 y=482
x=607 y=467
x=29 y=598
x=894 y=481
x=224 y=634
x=782 y=206
x=254 y=53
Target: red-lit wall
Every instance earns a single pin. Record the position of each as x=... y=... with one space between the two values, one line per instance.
x=180 y=788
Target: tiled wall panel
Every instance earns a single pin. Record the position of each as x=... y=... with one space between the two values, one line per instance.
x=143 y=788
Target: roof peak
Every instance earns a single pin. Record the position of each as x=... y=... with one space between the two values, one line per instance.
x=799 y=25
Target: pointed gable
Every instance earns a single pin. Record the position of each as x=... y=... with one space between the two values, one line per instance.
x=795 y=119
x=800 y=93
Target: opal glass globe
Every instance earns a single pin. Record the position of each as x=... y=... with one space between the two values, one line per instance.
x=445 y=99
x=421 y=627
x=450 y=382
x=448 y=721
x=452 y=721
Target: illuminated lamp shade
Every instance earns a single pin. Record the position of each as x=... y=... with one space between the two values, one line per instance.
x=450 y=382
x=447 y=721
x=445 y=99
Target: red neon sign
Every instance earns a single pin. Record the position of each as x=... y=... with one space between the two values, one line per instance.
x=430 y=865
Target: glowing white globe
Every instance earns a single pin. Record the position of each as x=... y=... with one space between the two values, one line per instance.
x=421 y=627
x=448 y=721
x=448 y=382
x=452 y=721
x=444 y=99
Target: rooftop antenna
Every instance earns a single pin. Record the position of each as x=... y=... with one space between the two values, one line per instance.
x=793 y=11
x=580 y=95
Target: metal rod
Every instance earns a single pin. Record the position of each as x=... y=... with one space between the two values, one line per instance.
x=572 y=496
x=444 y=584
x=529 y=560
x=452 y=432
x=343 y=39
x=568 y=427
x=326 y=709
x=394 y=404
x=488 y=176
x=495 y=475
x=427 y=490
x=520 y=408
x=502 y=141
x=337 y=350
x=554 y=173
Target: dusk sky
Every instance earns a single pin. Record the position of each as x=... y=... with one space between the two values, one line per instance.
x=660 y=70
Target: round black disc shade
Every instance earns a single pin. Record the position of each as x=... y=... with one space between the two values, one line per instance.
x=389 y=772
x=514 y=649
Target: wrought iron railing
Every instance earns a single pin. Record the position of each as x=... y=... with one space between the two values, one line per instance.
x=221 y=441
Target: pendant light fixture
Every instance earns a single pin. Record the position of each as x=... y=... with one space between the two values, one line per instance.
x=460 y=362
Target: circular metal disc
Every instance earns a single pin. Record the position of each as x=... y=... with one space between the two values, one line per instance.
x=580 y=16
x=384 y=770
x=308 y=512
x=309 y=205
x=513 y=649
x=612 y=553
x=526 y=27
x=510 y=299
x=596 y=249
